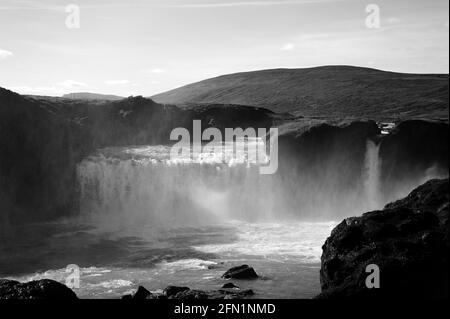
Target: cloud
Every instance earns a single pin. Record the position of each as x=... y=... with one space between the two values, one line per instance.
x=288 y=47
x=70 y=84
x=154 y=71
x=394 y=20
x=37 y=90
x=21 y=5
x=158 y=71
x=67 y=86
x=117 y=82
x=5 y=54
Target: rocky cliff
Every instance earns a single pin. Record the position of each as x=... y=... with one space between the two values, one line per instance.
x=408 y=241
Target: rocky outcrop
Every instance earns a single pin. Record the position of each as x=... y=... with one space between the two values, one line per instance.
x=408 y=241
x=185 y=293
x=39 y=149
x=227 y=291
x=41 y=289
x=240 y=272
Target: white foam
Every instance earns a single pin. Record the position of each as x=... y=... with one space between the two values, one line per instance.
x=112 y=284
x=187 y=264
x=248 y=152
x=278 y=242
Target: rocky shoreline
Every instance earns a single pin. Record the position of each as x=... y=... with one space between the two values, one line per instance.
x=408 y=241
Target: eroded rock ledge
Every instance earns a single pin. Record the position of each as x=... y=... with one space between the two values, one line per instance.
x=408 y=240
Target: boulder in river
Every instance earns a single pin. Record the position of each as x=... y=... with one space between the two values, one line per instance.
x=240 y=272
x=141 y=293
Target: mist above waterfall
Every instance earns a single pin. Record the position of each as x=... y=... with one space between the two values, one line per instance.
x=372 y=175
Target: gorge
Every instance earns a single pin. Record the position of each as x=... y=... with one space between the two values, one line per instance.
x=90 y=182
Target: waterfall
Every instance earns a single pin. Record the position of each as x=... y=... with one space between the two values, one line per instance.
x=133 y=187
x=372 y=176
x=122 y=188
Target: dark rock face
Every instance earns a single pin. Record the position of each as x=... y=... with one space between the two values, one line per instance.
x=325 y=161
x=38 y=152
x=240 y=272
x=141 y=293
x=412 y=149
x=408 y=241
x=41 y=289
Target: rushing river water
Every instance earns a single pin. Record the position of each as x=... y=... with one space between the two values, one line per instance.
x=287 y=256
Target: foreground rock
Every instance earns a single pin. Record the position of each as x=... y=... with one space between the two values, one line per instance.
x=185 y=293
x=41 y=289
x=408 y=241
x=240 y=272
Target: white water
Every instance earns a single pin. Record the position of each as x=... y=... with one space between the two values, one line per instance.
x=122 y=188
x=287 y=256
x=156 y=222
x=372 y=176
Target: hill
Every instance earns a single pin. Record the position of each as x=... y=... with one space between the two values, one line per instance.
x=92 y=96
x=330 y=91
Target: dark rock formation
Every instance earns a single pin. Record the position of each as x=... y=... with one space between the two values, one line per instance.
x=240 y=272
x=412 y=150
x=141 y=293
x=408 y=241
x=41 y=289
x=171 y=291
x=324 y=161
x=185 y=293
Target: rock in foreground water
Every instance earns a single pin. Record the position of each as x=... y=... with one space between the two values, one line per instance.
x=408 y=242
x=240 y=272
x=40 y=289
x=185 y=293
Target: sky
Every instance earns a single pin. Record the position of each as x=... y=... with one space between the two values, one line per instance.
x=144 y=47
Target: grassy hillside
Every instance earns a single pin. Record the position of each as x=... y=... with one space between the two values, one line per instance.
x=332 y=91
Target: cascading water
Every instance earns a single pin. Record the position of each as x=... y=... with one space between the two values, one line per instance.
x=143 y=186
x=372 y=176
x=127 y=187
